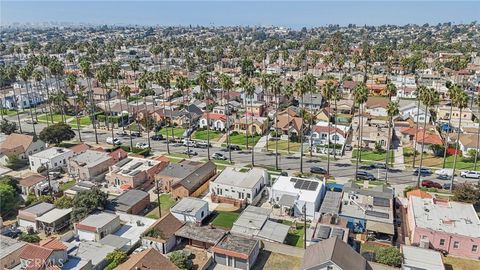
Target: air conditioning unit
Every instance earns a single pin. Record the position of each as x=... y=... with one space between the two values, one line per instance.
x=424 y=243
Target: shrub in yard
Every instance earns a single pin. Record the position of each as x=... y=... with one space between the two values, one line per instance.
x=390 y=256
x=30 y=238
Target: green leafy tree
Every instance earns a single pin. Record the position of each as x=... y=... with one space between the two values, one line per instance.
x=57 y=133
x=29 y=237
x=8 y=198
x=8 y=127
x=390 y=256
x=14 y=163
x=467 y=193
x=64 y=202
x=180 y=260
x=115 y=258
x=86 y=202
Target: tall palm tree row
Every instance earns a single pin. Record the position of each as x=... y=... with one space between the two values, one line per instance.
x=265 y=80
x=276 y=88
x=328 y=91
x=287 y=92
x=429 y=98
x=477 y=153
x=453 y=90
x=311 y=84
x=25 y=73
x=205 y=88
x=86 y=69
x=392 y=110
x=71 y=82
x=300 y=89
x=103 y=75
x=125 y=92
x=226 y=83
x=461 y=102
x=37 y=76
x=44 y=61
x=419 y=93
x=360 y=95
x=249 y=89
x=57 y=70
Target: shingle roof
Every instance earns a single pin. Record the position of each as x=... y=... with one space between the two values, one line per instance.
x=336 y=251
x=16 y=144
x=127 y=199
x=168 y=225
x=147 y=259
x=198 y=177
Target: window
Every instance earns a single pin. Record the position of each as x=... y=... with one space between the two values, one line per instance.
x=335 y=137
x=474 y=248
x=442 y=242
x=201 y=214
x=456 y=244
x=32 y=163
x=248 y=195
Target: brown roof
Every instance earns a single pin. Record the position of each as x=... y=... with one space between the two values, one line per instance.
x=321 y=129
x=147 y=259
x=295 y=122
x=79 y=148
x=53 y=243
x=429 y=138
x=35 y=253
x=31 y=180
x=168 y=225
x=376 y=102
x=419 y=193
x=469 y=140
x=16 y=144
x=336 y=251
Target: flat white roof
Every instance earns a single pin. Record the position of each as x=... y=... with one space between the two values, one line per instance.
x=287 y=184
x=422 y=258
x=134 y=226
x=232 y=177
x=54 y=215
x=450 y=217
x=52 y=152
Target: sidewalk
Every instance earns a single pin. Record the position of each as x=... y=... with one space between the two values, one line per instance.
x=261 y=144
x=399 y=162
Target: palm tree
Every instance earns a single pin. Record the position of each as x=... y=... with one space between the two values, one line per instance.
x=85 y=67
x=159 y=79
x=56 y=69
x=300 y=90
x=182 y=84
x=25 y=73
x=71 y=82
x=114 y=70
x=125 y=92
x=287 y=92
x=37 y=77
x=360 y=94
x=102 y=75
x=202 y=80
x=249 y=89
x=419 y=93
x=276 y=88
x=44 y=61
x=328 y=91
x=265 y=82
x=134 y=66
x=453 y=90
x=392 y=110
x=477 y=153
x=429 y=98
x=461 y=102
x=311 y=82
x=243 y=82
x=142 y=84
x=227 y=84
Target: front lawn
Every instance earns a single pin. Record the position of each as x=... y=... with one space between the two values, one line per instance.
x=241 y=139
x=202 y=135
x=436 y=162
x=295 y=234
x=166 y=202
x=372 y=155
x=225 y=220
x=67 y=185
x=57 y=118
x=283 y=146
x=177 y=132
x=8 y=112
x=456 y=263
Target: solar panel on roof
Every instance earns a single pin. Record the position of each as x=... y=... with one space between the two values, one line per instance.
x=123 y=162
x=298 y=184
x=313 y=186
x=323 y=232
x=376 y=214
x=377 y=201
x=338 y=232
x=134 y=166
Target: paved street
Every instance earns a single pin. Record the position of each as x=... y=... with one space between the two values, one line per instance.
x=342 y=168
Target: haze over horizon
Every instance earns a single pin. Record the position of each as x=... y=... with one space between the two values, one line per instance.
x=227 y=13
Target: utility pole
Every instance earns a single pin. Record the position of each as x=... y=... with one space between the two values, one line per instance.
x=49 y=182
x=304 y=210
x=158 y=199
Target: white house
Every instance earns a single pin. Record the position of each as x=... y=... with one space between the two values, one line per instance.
x=190 y=210
x=21 y=146
x=54 y=157
x=237 y=187
x=216 y=121
x=293 y=193
x=410 y=110
x=27 y=218
x=97 y=226
x=320 y=134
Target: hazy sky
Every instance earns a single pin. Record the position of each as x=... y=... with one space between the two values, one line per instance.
x=282 y=13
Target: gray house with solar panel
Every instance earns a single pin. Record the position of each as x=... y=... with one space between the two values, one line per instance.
x=294 y=195
x=369 y=210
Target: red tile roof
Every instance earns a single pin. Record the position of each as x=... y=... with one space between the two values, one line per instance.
x=429 y=138
x=79 y=148
x=53 y=243
x=321 y=129
x=36 y=254
x=215 y=116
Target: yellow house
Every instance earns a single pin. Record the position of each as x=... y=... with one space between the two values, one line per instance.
x=257 y=125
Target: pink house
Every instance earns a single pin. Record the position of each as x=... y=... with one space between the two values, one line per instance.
x=134 y=172
x=444 y=225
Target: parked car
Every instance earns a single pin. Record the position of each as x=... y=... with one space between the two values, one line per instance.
x=234 y=147
x=188 y=143
x=379 y=165
x=11 y=232
x=447 y=186
x=348 y=147
x=218 y=156
x=284 y=173
x=431 y=184
x=362 y=175
x=114 y=141
x=30 y=121
x=136 y=134
x=319 y=170
x=422 y=171
x=470 y=174
x=141 y=145
x=157 y=137
x=122 y=134
x=190 y=152
x=203 y=145
x=366 y=167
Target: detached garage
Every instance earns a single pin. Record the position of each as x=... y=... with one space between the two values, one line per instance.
x=27 y=218
x=236 y=251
